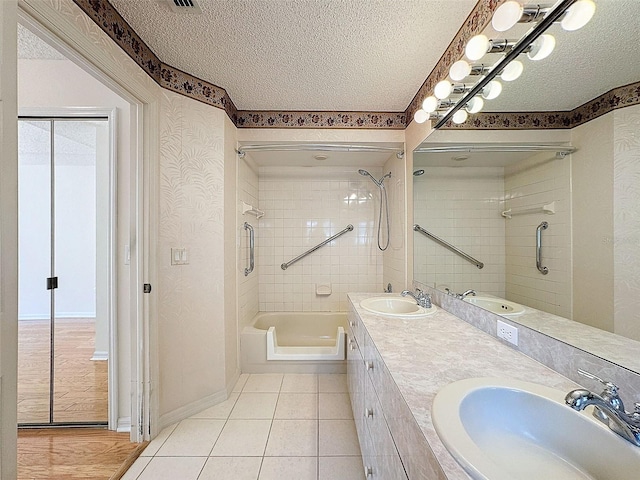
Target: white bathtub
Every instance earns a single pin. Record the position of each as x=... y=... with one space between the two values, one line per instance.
x=293 y=342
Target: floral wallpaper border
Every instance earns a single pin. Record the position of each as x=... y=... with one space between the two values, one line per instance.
x=614 y=99
x=171 y=78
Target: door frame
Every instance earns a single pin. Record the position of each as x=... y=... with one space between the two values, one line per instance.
x=59 y=29
x=46 y=113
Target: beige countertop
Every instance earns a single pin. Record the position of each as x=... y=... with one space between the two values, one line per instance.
x=425 y=354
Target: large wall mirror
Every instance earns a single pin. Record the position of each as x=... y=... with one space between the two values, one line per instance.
x=493 y=194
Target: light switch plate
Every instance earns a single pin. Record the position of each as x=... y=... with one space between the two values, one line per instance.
x=179 y=256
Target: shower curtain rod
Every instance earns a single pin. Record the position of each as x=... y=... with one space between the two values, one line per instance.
x=498 y=147
x=318 y=147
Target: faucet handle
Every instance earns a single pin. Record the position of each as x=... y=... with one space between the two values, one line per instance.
x=610 y=387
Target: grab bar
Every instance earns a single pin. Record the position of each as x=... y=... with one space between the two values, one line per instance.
x=247 y=271
x=542 y=226
x=284 y=266
x=447 y=245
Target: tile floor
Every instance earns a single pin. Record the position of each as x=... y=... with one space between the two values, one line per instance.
x=273 y=426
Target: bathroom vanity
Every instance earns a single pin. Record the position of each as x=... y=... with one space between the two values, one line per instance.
x=395 y=368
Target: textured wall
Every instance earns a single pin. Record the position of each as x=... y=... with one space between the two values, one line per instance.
x=592 y=222
x=531 y=183
x=191 y=297
x=626 y=221
x=462 y=206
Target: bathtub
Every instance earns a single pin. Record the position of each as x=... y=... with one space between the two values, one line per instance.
x=293 y=342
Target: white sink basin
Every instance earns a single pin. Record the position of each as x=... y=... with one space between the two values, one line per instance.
x=496 y=305
x=500 y=429
x=396 y=307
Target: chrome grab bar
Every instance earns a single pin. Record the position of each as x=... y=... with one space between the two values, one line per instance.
x=542 y=226
x=284 y=266
x=247 y=271
x=447 y=245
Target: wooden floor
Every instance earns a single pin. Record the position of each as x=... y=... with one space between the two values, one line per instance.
x=74 y=453
x=80 y=395
x=81 y=384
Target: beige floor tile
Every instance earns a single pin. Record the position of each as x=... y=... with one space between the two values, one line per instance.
x=220 y=411
x=255 y=406
x=242 y=438
x=293 y=438
x=340 y=468
x=172 y=468
x=334 y=406
x=336 y=383
x=300 y=406
x=338 y=437
x=263 y=383
x=157 y=442
x=192 y=438
x=298 y=468
x=231 y=468
x=300 y=383
x=241 y=382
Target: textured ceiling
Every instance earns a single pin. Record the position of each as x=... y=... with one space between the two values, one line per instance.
x=32 y=47
x=332 y=55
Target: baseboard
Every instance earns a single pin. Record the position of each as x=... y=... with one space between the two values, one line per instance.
x=124 y=425
x=100 y=355
x=232 y=382
x=186 y=411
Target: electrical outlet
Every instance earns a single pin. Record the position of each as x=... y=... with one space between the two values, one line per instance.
x=508 y=332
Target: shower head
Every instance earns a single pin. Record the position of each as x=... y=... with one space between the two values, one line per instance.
x=367 y=174
x=377 y=182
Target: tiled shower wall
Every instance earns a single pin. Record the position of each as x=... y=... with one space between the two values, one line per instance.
x=462 y=206
x=301 y=212
x=247 y=285
x=532 y=183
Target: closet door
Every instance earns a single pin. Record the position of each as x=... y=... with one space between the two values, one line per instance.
x=63 y=335
x=35 y=268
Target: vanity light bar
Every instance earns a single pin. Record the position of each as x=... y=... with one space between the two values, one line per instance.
x=520 y=47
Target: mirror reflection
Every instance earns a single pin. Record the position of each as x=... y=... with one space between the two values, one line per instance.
x=480 y=192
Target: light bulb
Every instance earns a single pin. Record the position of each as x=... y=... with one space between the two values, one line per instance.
x=578 y=15
x=542 y=47
x=492 y=90
x=420 y=116
x=474 y=105
x=512 y=71
x=443 y=89
x=459 y=70
x=506 y=16
x=430 y=104
x=477 y=47
x=460 y=116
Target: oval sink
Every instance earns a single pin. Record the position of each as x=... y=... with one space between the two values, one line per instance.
x=496 y=305
x=395 y=307
x=499 y=429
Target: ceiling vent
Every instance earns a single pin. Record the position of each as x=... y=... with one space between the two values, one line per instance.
x=184 y=6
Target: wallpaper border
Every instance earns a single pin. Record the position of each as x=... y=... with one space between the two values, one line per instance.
x=171 y=78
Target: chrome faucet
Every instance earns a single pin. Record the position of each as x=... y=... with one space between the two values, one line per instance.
x=421 y=298
x=608 y=408
x=460 y=295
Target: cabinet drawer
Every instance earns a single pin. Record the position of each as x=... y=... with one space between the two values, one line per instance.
x=384 y=459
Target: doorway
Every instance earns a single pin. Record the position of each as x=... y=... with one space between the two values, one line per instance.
x=64 y=288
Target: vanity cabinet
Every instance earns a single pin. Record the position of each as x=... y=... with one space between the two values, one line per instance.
x=379 y=454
